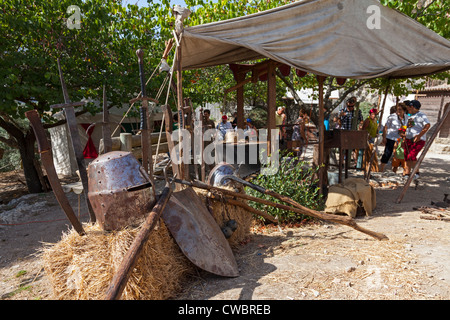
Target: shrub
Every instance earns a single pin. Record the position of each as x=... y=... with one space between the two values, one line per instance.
x=294 y=179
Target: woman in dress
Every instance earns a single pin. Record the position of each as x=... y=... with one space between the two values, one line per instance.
x=299 y=131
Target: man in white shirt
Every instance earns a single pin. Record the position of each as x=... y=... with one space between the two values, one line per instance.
x=394 y=122
x=223 y=127
x=417 y=127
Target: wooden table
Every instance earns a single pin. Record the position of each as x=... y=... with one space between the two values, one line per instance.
x=345 y=140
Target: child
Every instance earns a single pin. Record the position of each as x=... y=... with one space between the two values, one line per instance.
x=399 y=151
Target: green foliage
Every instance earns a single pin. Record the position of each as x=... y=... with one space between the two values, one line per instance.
x=295 y=179
x=101 y=50
x=208 y=84
x=10 y=160
x=433 y=14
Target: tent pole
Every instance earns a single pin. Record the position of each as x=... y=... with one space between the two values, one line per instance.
x=240 y=102
x=180 y=14
x=271 y=104
x=375 y=148
x=180 y=109
x=321 y=80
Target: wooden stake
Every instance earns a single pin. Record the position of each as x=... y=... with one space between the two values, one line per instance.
x=245 y=206
x=182 y=169
x=321 y=80
x=374 y=151
x=240 y=103
x=121 y=277
x=271 y=104
x=345 y=220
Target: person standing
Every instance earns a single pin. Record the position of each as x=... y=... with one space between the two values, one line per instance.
x=371 y=126
x=336 y=122
x=223 y=127
x=394 y=122
x=399 y=151
x=280 y=120
x=249 y=130
x=417 y=127
x=299 y=133
x=234 y=123
x=207 y=122
x=347 y=114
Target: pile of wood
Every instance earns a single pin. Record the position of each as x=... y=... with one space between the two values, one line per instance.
x=435 y=213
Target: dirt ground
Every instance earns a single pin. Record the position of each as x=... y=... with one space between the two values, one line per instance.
x=323 y=261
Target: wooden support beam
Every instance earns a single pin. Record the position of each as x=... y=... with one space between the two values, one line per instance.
x=321 y=80
x=240 y=103
x=374 y=151
x=297 y=208
x=120 y=279
x=271 y=102
x=257 y=70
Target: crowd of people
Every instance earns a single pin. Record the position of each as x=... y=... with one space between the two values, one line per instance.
x=403 y=135
x=224 y=126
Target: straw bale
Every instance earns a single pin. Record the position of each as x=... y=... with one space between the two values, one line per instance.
x=82 y=267
x=223 y=212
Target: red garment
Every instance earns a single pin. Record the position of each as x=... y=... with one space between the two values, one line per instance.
x=89 y=151
x=412 y=149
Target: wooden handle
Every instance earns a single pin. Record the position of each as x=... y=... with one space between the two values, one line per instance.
x=169 y=45
x=39 y=132
x=140 y=55
x=120 y=279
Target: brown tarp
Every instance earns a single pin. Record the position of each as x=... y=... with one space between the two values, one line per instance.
x=338 y=38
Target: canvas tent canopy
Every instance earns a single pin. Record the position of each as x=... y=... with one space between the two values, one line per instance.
x=338 y=38
x=357 y=39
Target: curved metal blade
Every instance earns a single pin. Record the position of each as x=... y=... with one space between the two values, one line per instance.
x=198 y=235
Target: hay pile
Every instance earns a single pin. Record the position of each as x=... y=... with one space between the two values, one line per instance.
x=82 y=267
x=223 y=212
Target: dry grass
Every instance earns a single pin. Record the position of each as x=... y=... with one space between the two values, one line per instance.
x=82 y=267
x=360 y=268
x=223 y=212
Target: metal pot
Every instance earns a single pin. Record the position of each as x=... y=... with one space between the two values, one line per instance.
x=111 y=176
x=218 y=172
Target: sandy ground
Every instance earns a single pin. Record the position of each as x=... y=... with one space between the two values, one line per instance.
x=323 y=261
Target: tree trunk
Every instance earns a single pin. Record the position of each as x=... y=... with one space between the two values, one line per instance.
x=27 y=154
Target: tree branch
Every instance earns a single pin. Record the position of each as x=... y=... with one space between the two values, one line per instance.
x=291 y=88
x=9 y=142
x=63 y=121
x=15 y=133
x=344 y=95
x=421 y=12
